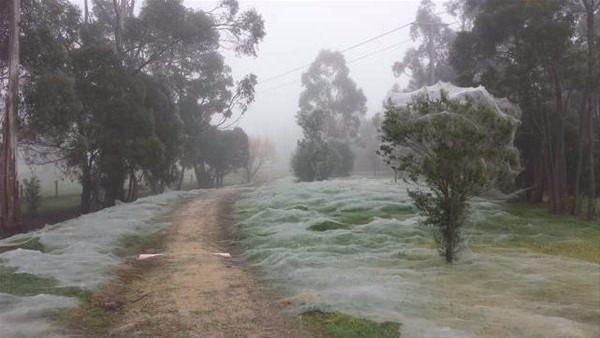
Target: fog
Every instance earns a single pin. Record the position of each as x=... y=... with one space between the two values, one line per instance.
x=296 y=32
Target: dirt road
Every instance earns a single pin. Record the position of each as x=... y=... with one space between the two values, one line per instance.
x=194 y=293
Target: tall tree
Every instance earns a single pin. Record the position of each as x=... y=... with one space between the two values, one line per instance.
x=331 y=107
x=9 y=194
x=587 y=120
x=428 y=62
x=529 y=61
x=329 y=88
x=159 y=69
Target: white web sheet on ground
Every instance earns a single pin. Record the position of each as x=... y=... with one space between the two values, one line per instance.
x=77 y=253
x=386 y=268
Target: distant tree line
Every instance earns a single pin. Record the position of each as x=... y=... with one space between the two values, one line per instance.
x=331 y=108
x=541 y=54
x=120 y=97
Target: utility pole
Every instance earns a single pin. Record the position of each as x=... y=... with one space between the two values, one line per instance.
x=9 y=192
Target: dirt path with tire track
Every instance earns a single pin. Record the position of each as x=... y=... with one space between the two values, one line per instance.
x=193 y=293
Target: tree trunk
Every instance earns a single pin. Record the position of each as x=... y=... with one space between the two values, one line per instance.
x=9 y=192
x=86 y=191
x=85 y=12
x=181 y=176
x=579 y=168
x=121 y=11
x=431 y=52
x=536 y=194
x=589 y=132
x=132 y=186
x=557 y=155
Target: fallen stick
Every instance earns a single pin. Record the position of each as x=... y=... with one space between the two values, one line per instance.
x=139 y=298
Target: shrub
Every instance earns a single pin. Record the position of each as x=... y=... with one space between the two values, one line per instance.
x=32 y=194
x=459 y=148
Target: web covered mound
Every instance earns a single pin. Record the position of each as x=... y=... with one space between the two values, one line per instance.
x=384 y=267
x=479 y=94
x=76 y=253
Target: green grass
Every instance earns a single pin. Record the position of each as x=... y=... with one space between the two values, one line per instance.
x=346 y=218
x=26 y=284
x=536 y=229
x=50 y=204
x=340 y=325
x=135 y=243
x=359 y=216
x=91 y=316
x=327 y=225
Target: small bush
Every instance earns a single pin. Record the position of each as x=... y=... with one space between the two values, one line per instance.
x=32 y=194
x=315 y=160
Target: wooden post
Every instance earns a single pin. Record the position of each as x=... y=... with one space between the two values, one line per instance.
x=9 y=193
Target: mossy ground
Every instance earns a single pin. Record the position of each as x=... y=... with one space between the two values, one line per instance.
x=536 y=229
x=26 y=284
x=340 y=325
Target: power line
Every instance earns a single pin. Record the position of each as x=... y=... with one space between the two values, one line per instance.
x=381 y=50
x=361 y=43
x=364 y=42
x=376 y=37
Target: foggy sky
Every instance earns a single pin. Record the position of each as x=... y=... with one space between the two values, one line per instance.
x=295 y=32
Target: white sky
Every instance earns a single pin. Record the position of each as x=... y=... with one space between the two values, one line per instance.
x=296 y=32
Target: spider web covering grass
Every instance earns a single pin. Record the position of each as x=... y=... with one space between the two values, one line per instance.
x=524 y=271
x=57 y=268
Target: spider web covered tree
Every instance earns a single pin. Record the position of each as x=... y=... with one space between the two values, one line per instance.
x=459 y=142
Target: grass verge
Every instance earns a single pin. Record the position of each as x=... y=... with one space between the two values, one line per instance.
x=97 y=313
x=26 y=284
x=341 y=325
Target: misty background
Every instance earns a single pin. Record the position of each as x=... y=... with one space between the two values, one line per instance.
x=295 y=33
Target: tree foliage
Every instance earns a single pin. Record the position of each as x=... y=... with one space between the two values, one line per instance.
x=328 y=88
x=331 y=107
x=428 y=62
x=543 y=59
x=127 y=97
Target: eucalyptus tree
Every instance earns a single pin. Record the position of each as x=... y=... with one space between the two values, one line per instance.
x=114 y=106
x=538 y=60
x=184 y=46
x=331 y=107
x=428 y=62
x=9 y=196
x=329 y=88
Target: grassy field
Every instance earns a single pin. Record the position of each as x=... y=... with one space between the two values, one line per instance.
x=536 y=229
